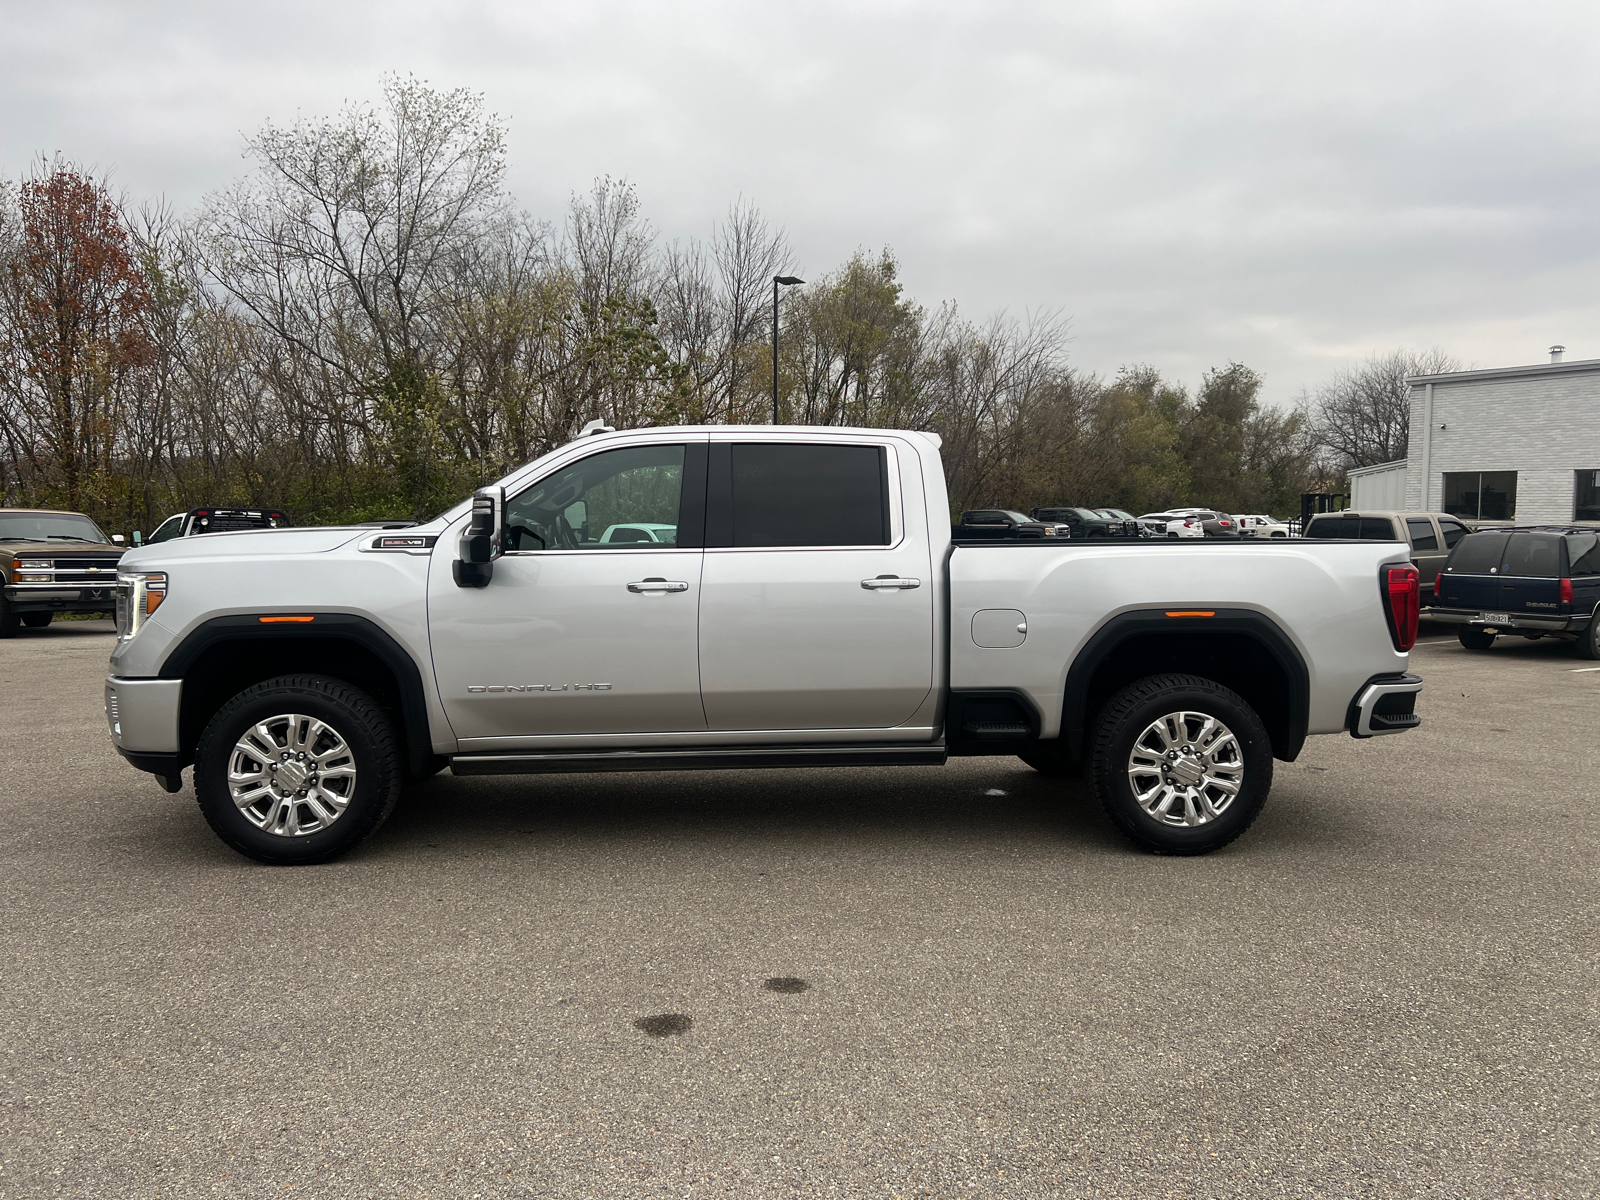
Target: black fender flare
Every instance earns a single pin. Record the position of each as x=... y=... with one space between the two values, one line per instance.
x=183 y=657
x=1139 y=622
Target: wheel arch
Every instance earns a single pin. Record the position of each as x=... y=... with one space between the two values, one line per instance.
x=223 y=656
x=1239 y=648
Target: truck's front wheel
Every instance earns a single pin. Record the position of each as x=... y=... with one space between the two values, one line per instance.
x=1182 y=764
x=297 y=770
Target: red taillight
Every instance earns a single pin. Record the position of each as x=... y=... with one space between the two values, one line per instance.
x=1566 y=592
x=1402 y=596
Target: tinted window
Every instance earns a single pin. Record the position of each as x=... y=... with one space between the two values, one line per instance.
x=1377 y=529
x=590 y=504
x=1453 y=533
x=788 y=495
x=1422 y=535
x=1586 y=496
x=1478 y=554
x=1334 y=527
x=1534 y=554
x=1481 y=495
x=1583 y=552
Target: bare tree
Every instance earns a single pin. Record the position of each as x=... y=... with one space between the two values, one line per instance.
x=1363 y=415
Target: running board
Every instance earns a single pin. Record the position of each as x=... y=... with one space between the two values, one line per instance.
x=698 y=760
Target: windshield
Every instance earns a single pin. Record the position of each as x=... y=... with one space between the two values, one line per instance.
x=50 y=527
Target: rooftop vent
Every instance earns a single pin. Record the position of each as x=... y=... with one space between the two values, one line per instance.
x=1555 y=353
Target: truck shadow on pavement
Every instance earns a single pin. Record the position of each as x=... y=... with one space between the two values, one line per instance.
x=976 y=800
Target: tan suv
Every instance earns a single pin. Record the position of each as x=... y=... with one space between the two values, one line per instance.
x=1431 y=536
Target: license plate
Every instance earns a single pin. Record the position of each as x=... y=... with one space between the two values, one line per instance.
x=1494 y=618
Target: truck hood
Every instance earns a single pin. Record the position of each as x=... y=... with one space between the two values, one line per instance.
x=252 y=543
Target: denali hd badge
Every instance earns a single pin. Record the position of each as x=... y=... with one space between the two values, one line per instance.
x=476 y=688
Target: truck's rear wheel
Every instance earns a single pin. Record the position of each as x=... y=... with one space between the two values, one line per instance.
x=1182 y=764
x=1475 y=639
x=297 y=770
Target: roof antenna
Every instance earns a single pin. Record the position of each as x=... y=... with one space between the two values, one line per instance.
x=596 y=426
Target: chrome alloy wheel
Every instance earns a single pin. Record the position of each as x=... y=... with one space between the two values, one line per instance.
x=291 y=775
x=1185 y=769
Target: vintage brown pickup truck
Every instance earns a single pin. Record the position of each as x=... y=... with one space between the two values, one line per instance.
x=54 y=562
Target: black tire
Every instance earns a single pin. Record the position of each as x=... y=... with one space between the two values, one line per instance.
x=1474 y=639
x=9 y=624
x=1050 y=760
x=1130 y=713
x=36 y=620
x=372 y=749
x=1588 y=643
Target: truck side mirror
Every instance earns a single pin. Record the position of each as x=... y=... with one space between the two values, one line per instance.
x=483 y=540
x=138 y=538
x=116 y=539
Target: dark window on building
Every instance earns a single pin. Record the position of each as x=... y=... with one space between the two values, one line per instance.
x=1453 y=533
x=1583 y=552
x=1586 y=497
x=1422 y=535
x=1481 y=495
x=1536 y=554
x=1478 y=554
x=794 y=495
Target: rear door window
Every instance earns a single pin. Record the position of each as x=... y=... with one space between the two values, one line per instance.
x=1422 y=535
x=784 y=494
x=1453 y=532
x=1478 y=554
x=1334 y=527
x=1583 y=552
x=1535 y=554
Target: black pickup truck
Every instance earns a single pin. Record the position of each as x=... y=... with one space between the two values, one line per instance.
x=1533 y=582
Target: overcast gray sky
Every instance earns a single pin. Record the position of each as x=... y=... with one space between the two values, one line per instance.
x=1290 y=185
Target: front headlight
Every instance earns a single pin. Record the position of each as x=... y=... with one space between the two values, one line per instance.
x=139 y=593
x=30 y=570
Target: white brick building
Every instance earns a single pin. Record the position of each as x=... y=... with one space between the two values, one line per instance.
x=1513 y=443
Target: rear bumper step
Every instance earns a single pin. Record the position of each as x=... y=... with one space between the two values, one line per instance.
x=697 y=760
x=1385 y=705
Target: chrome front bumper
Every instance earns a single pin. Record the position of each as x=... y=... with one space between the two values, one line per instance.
x=1384 y=705
x=142 y=714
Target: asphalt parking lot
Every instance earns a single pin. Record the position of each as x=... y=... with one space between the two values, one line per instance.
x=1387 y=988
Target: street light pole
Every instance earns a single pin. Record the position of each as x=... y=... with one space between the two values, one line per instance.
x=787 y=281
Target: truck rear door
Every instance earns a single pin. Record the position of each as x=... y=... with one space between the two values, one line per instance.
x=1426 y=551
x=817 y=595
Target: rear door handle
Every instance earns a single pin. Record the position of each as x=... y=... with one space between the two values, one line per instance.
x=890 y=581
x=655 y=584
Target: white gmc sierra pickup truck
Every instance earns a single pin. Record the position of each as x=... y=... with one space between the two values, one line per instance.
x=691 y=598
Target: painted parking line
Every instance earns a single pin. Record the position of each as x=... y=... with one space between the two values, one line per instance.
x=1580 y=670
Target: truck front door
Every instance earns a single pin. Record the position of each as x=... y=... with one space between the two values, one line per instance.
x=588 y=625
x=817 y=601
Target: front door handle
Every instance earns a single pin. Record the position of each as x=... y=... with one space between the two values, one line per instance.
x=656 y=584
x=890 y=581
